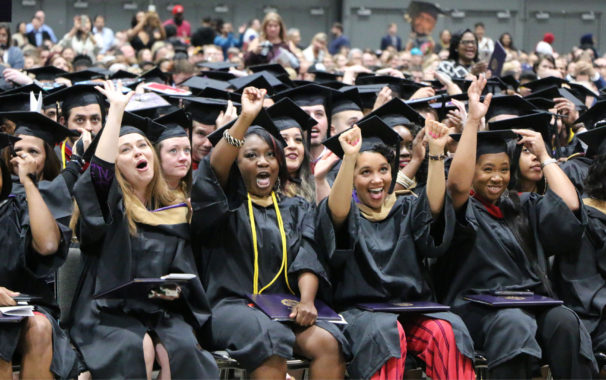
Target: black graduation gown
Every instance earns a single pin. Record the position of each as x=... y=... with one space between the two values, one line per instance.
x=486 y=256
x=56 y=195
x=109 y=333
x=384 y=262
x=24 y=270
x=577 y=169
x=221 y=226
x=580 y=278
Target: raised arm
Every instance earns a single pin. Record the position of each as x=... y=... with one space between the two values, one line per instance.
x=339 y=199
x=460 y=176
x=107 y=149
x=437 y=136
x=224 y=154
x=45 y=232
x=558 y=181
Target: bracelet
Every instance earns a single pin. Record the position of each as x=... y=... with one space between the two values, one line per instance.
x=548 y=161
x=437 y=157
x=231 y=140
x=403 y=180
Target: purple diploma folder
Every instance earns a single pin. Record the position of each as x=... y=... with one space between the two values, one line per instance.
x=404 y=307
x=278 y=307
x=534 y=300
x=140 y=288
x=10 y=319
x=495 y=64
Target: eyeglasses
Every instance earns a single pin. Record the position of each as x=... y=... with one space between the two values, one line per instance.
x=467 y=42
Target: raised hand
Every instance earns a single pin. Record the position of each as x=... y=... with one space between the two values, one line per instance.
x=114 y=93
x=383 y=97
x=351 y=141
x=83 y=142
x=423 y=92
x=437 y=136
x=324 y=165
x=477 y=108
x=26 y=164
x=252 y=101
x=533 y=141
x=227 y=116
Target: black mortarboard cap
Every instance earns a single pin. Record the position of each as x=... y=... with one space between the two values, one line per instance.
x=321 y=76
x=462 y=83
x=537 y=121
x=541 y=103
x=275 y=69
x=147 y=104
x=495 y=85
x=368 y=93
x=262 y=121
x=510 y=105
x=490 y=142
x=218 y=75
x=544 y=83
x=348 y=100
x=177 y=124
x=155 y=75
x=217 y=66
x=374 y=131
x=84 y=75
x=205 y=110
x=396 y=112
x=581 y=92
x=558 y=92
x=510 y=81
x=595 y=115
x=15 y=102
x=214 y=93
x=38 y=125
x=417 y=7
x=200 y=83
x=46 y=73
x=24 y=89
x=78 y=95
x=255 y=80
x=286 y=114
x=595 y=140
x=308 y=95
x=277 y=84
x=6 y=140
x=132 y=123
x=123 y=74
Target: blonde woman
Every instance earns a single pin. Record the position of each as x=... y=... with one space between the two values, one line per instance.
x=272 y=45
x=133 y=226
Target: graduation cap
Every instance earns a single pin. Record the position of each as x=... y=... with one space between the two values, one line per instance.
x=368 y=93
x=155 y=75
x=205 y=110
x=541 y=103
x=321 y=76
x=218 y=75
x=595 y=140
x=374 y=131
x=417 y=7
x=84 y=75
x=132 y=123
x=490 y=142
x=15 y=102
x=596 y=115
x=539 y=122
x=348 y=100
x=177 y=124
x=217 y=66
x=37 y=125
x=257 y=80
x=78 y=95
x=544 y=83
x=200 y=83
x=396 y=112
x=275 y=69
x=495 y=85
x=24 y=89
x=46 y=73
x=123 y=74
x=441 y=103
x=510 y=81
x=263 y=120
x=214 y=93
x=581 y=92
x=508 y=105
x=286 y=114
x=6 y=140
x=462 y=83
x=308 y=95
x=147 y=104
x=557 y=92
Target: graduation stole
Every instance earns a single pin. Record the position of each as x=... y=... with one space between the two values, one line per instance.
x=493 y=210
x=284 y=266
x=66 y=153
x=595 y=203
x=173 y=214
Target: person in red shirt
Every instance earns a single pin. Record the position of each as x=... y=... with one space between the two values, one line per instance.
x=183 y=26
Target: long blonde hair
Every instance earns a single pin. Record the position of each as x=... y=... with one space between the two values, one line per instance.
x=157 y=192
x=273 y=16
